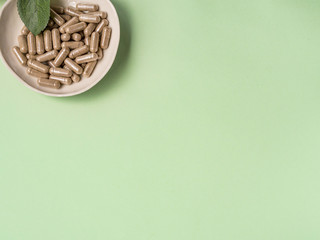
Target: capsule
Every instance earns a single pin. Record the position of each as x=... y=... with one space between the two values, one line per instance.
x=89 y=29
x=56 y=17
x=89 y=18
x=87 y=40
x=35 y=73
x=73 y=66
x=71 y=22
x=32 y=57
x=56 y=41
x=65 y=37
x=50 y=83
x=47 y=40
x=76 y=27
x=57 y=9
x=87 y=58
x=75 y=78
x=40 y=44
x=79 y=51
x=72 y=45
x=24 y=30
x=31 y=40
x=76 y=37
x=63 y=80
x=38 y=66
x=60 y=72
x=47 y=56
x=87 y=7
x=89 y=69
x=50 y=63
x=99 y=14
x=19 y=55
x=94 y=42
x=50 y=23
x=101 y=25
x=61 y=56
x=66 y=17
x=100 y=53
x=72 y=12
x=22 y=40
x=105 y=37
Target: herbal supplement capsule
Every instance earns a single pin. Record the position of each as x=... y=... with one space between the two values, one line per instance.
x=89 y=29
x=50 y=63
x=60 y=72
x=24 y=30
x=35 y=73
x=50 y=23
x=57 y=9
x=38 y=66
x=101 y=25
x=76 y=37
x=63 y=80
x=87 y=40
x=94 y=42
x=65 y=37
x=47 y=56
x=76 y=27
x=72 y=45
x=43 y=82
x=89 y=18
x=71 y=22
x=56 y=39
x=19 y=55
x=31 y=40
x=40 y=44
x=79 y=51
x=100 y=53
x=22 y=40
x=87 y=7
x=73 y=66
x=31 y=57
x=66 y=17
x=87 y=58
x=47 y=40
x=89 y=69
x=56 y=17
x=72 y=12
x=75 y=78
x=99 y=14
x=105 y=37
x=61 y=56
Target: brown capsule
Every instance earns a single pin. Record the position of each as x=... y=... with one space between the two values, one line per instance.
x=65 y=37
x=61 y=56
x=72 y=12
x=31 y=57
x=50 y=83
x=56 y=42
x=40 y=44
x=35 y=73
x=31 y=43
x=24 y=30
x=94 y=42
x=73 y=66
x=87 y=40
x=47 y=40
x=57 y=9
x=76 y=27
x=56 y=17
x=60 y=72
x=50 y=63
x=22 y=40
x=66 y=17
x=38 y=66
x=51 y=23
x=99 y=14
x=72 y=45
x=71 y=22
x=63 y=80
x=89 y=69
x=100 y=53
x=76 y=37
x=89 y=29
x=47 y=56
x=89 y=18
x=90 y=57
x=19 y=55
x=75 y=78
x=87 y=7
x=105 y=37
x=79 y=51
x=101 y=25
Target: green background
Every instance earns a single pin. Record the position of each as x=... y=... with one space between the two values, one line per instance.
x=207 y=127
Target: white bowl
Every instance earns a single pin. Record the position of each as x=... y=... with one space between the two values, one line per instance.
x=10 y=26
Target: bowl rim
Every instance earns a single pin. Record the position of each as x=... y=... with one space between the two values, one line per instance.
x=64 y=94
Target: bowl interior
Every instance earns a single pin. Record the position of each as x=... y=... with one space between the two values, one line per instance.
x=10 y=26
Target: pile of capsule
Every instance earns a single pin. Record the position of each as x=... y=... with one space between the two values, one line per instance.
x=68 y=48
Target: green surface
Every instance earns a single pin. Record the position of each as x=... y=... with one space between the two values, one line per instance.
x=207 y=127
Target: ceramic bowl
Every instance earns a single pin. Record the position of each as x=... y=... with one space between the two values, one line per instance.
x=10 y=27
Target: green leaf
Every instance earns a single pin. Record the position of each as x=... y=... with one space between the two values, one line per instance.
x=34 y=14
